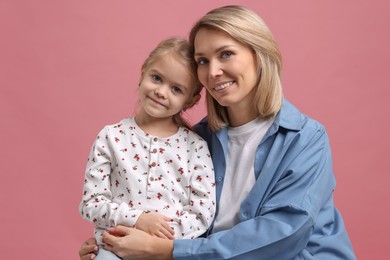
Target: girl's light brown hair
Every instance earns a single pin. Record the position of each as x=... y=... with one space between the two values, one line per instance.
x=246 y=27
x=182 y=50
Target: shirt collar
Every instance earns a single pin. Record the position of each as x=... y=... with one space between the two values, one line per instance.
x=289 y=117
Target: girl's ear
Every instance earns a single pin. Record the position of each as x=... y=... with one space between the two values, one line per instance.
x=194 y=101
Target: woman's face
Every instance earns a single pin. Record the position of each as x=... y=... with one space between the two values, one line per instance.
x=226 y=68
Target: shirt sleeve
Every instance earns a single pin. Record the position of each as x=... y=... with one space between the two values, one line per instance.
x=97 y=204
x=197 y=216
x=284 y=219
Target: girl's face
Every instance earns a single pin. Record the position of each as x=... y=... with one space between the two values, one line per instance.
x=226 y=68
x=165 y=89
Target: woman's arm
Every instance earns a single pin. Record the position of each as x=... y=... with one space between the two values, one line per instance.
x=294 y=192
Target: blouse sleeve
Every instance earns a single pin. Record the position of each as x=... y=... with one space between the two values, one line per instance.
x=97 y=204
x=197 y=216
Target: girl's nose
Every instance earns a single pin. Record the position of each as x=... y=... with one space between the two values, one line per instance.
x=161 y=91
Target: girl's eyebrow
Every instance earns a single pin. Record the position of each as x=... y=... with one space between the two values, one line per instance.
x=215 y=51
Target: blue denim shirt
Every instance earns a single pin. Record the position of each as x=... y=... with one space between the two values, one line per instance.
x=289 y=213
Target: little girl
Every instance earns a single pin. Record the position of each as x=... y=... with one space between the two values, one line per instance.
x=152 y=172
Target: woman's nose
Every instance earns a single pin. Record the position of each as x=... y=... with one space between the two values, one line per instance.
x=215 y=69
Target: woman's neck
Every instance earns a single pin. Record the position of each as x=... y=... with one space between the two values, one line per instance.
x=239 y=116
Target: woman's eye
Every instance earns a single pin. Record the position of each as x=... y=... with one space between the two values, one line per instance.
x=176 y=90
x=226 y=54
x=202 y=61
x=156 y=78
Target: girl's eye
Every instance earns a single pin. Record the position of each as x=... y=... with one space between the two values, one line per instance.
x=176 y=90
x=226 y=54
x=202 y=61
x=156 y=78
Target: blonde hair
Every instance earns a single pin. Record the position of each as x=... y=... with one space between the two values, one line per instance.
x=246 y=27
x=182 y=50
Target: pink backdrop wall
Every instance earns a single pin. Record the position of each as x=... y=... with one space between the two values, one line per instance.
x=69 y=67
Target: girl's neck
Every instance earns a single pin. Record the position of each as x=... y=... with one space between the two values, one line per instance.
x=161 y=127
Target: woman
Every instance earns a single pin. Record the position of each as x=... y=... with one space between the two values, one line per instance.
x=273 y=165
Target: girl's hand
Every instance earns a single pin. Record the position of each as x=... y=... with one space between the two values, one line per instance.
x=88 y=249
x=136 y=244
x=156 y=225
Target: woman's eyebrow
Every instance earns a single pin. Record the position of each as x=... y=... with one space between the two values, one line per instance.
x=215 y=51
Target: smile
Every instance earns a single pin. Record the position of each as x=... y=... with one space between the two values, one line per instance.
x=223 y=86
x=156 y=102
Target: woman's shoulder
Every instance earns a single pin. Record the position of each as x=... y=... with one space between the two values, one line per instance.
x=202 y=129
x=291 y=117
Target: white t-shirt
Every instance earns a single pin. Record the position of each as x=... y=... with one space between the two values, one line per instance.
x=239 y=175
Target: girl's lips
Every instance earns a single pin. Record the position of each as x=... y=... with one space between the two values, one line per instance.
x=155 y=101
x=223 y=85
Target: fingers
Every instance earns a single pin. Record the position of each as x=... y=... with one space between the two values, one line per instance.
x=108 y=238
x=119 y=230
x=88 y=257
x=164 y=234
x=88 y=249
x=168 y=231
x=167 y=219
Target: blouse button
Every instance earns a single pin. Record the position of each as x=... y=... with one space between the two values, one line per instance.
x=154 y=150
x=155 y=139
x=151 y=179
x=153 y=164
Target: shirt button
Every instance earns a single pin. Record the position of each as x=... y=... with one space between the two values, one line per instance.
x=153 y=164
x=219 y=178
x=154 y=150
x=151 y=179
x=155 y=139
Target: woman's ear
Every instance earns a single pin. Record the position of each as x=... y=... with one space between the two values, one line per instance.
x=193 y=102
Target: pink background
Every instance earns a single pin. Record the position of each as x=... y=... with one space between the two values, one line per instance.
x=69 y=67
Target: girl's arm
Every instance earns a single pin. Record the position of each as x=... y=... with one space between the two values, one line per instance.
x=195 y=217
x=97 y=204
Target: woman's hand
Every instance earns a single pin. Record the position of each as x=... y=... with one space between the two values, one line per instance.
x=155 y=224
x=88 y=249
x=136 y=244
